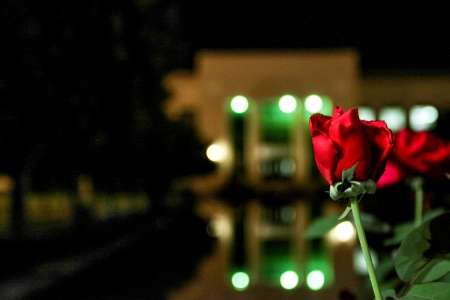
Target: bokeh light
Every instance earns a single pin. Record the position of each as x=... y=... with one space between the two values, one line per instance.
x=344 y=231
x=359 y=263
x=394 y=116
x=366 y=113
x=313 y=103
x=423 y=117
x=289 y=280
x=315 y=280
x=287 y=103
x=239 y=104
x=240 y=281
x=215 y=153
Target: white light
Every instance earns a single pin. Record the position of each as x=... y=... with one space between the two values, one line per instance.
x=239 y=104
x=287 y=214
x=315 y=280
x=313 y=103
x=423 y=117
x=289 y=280
x=395 y=117
x=215 y=153
x=366 y=113
x=344 y=231
x=287 y=167
x=359 y=263
x=240 y=281
x=214 y=228
x=287 y=103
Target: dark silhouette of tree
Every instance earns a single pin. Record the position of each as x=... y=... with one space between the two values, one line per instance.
x=81 y=93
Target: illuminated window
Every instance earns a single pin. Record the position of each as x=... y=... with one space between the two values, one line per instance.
x=238 y=118
x=287 y=167
x=287 y=214
x=366 y=113
x=278 y=168
x=423 y=117
x=276 y=124
x=319 y=266
x=394 y=116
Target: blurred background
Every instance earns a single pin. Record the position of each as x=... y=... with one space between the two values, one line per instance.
x=109 y=187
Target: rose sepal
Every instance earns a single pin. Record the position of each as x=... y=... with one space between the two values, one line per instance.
x=356 y=188
x=351 y=188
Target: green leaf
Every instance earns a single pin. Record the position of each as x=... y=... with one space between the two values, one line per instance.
x=425 y=252
x=390 y=283
x=373 y=224
x=401 y=230
x=445 y=278
x=389 y=294
x=320 y=226
x=384 y=268
x=409 y=259
x=433 y=270
x=432 y=214
x=429 y=291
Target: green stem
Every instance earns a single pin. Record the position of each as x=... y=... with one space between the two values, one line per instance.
x=418 y=211
x=365 y=248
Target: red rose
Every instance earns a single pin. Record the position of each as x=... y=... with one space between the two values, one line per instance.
x=392 y=175
x=343 y=140
x=421 y=153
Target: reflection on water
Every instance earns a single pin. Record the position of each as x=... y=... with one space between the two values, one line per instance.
x=277 y=262
x=259 y=251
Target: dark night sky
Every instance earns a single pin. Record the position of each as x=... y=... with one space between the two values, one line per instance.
x=387 y=36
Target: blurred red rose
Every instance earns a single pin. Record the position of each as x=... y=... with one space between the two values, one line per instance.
x=392 y=175
x=341 y=141
x=418 y=153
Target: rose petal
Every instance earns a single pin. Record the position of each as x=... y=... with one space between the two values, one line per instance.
x=422 y=153
x=337 y=112
x=381 y=140
x=325 y=153
x=351 y=143
x=392 y=175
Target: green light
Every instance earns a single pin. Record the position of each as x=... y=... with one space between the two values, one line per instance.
x=240 y=281
x=315 y=280
x=289 y=280
x=239 y=104
x=287 y=104
x=313 y=103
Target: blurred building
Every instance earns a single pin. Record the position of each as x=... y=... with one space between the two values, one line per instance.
x=253 y=108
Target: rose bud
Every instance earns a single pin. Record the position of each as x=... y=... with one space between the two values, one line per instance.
x=350 y=153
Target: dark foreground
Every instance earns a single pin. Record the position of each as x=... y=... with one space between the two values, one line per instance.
x=143 y=257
